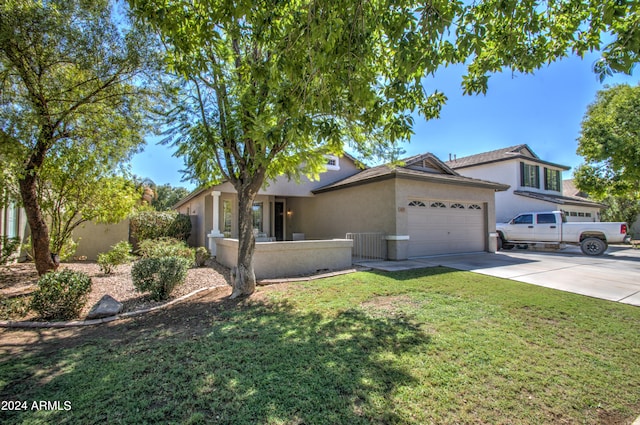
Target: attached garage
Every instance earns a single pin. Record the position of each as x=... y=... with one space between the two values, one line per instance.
x=422 y=208
x=446 y=227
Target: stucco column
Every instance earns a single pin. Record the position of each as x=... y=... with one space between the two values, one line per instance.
x=215 y=229
x=397 y=247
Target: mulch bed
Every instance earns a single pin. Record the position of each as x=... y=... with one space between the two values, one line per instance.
x=18 y=281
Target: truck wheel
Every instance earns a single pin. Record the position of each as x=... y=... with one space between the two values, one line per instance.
x=593 y=246
x=502 y=244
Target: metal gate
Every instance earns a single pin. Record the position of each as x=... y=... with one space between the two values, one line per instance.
x=368 y=246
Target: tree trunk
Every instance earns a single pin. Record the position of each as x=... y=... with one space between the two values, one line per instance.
x=37 y=224
x=244 y=281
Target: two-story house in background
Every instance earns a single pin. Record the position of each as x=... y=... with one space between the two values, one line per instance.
x=535 y=185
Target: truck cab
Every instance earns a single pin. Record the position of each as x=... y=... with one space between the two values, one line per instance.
x=537 y=227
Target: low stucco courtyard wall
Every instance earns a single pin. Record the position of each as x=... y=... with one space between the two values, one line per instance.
x=289 y=258
x=94 y=238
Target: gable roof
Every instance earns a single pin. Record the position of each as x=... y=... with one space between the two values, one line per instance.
x=569 y=189
x=522 y=151
x=424 y=167
x=357 y=164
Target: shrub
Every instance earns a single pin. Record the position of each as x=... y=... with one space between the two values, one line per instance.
x=14 y=307
x=166 y=247
x=159 y=224
x=67 y=249
x=159 y=276
x=61 y=295
x=10 y=247
x=119 y=254
x=202 y=255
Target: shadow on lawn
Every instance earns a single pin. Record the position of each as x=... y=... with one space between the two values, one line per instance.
x=217 y=361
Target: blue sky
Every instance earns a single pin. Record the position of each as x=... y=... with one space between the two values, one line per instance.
x=543 y=110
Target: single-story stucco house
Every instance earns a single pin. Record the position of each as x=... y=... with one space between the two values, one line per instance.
x=535 y=185
x=419 y=208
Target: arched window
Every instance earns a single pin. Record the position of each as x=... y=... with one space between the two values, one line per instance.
x=457 y=206
x=438 y=205
x=417 y=204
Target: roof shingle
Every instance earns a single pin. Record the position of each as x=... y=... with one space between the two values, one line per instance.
x=512 y=152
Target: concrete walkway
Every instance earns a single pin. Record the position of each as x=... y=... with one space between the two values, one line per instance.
x=614 y=276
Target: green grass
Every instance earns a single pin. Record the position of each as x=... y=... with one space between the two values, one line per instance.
x=427 y=346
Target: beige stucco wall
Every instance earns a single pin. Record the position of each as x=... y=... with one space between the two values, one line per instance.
x=196 y=207
x=93 y=238
x=288 y=259
x=380 y=207
x=281 y=190
x=283 y=186
x=364 y=208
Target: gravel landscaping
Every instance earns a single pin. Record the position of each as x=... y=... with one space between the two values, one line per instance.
x=19 y=280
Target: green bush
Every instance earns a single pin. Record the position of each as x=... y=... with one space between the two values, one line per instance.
x=120 y=254
x=159 y=224
x=10 y=247
x=159 y=275
x=166 y=247
x=61 y=295
x=67 y=249
x=202 y=255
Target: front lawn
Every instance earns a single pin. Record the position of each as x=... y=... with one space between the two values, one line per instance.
x=427 y=346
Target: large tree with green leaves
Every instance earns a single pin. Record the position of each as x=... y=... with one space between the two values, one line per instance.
x=271 y=87
x=167 y=196
x=609 y=142
x=72 y=82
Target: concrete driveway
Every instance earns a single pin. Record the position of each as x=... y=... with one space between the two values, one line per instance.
x=615 y=276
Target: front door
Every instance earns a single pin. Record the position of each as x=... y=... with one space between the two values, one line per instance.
x=279 y=221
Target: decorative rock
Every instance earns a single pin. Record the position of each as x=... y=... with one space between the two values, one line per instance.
x=106 y=307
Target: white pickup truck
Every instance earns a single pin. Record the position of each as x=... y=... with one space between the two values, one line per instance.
x=551 y=228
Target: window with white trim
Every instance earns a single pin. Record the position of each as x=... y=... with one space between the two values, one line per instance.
x=12 y=220
x=227 y=217
x=552 y=179
x=257 y=216
x=529 y=175
x=333 y=162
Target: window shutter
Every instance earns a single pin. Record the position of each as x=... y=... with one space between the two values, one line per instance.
x=546 y=178
x=521 y=173
x=537 y=168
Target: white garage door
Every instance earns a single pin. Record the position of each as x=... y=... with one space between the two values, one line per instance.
x=445 y=227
